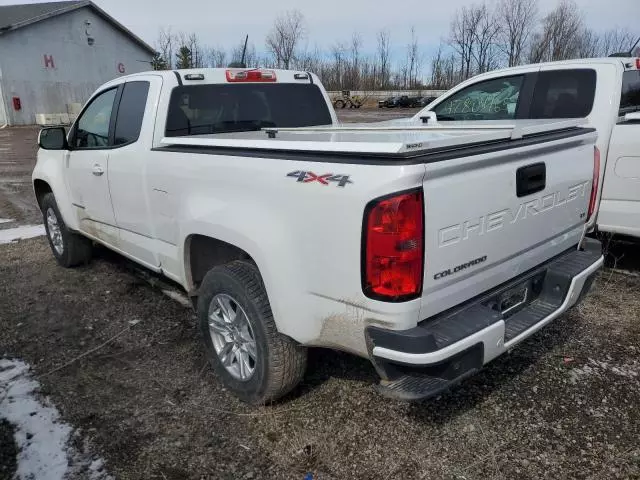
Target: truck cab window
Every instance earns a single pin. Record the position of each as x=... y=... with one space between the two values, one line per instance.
x=630 y=98
x=223 y=108
x=93 y=125
x=564 y=94
x=131 y=112
x=495 y=99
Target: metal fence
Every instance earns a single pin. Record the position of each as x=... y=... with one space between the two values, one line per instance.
x=380 y=94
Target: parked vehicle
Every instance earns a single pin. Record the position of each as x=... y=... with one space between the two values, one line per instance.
x=415 y=101
x=389 y=102
x=428 y=251
x=424 y=101
x=605 y=91
x=404 y=101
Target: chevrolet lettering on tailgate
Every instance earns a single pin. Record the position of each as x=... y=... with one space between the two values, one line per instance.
x=490 y=222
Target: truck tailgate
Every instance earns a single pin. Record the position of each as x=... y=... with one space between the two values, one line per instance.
x=491 y=217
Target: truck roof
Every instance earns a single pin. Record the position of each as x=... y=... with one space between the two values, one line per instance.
x=199 y=76
x=626 y=62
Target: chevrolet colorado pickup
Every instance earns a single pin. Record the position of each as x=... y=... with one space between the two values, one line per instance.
x=605 y=91
x=429 y=251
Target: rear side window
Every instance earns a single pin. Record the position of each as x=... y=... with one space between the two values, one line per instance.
x=564 y=94
x=221 y=108
x=495 y=99
x=131 y=112
x=630 y=98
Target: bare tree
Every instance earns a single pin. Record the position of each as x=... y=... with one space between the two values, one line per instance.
x=485 y=38
x=285 y=36
x=383 y=59
x=437 y=69
x=217 y=57
x=311 y=61
x=616 y=41
x=353 y=72
x=166 y=44
x=559 y=38
x=413 y=60
x=589 y=44
x=250 y=55
x=463 y=37
x=197 y=51
x=517 y=20
x=338 y=54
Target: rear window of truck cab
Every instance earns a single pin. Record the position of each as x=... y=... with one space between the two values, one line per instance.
x=630 y=98
x=223 y=108
x=564 y=93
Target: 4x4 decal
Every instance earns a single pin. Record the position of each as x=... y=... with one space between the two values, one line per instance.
x=309 y=177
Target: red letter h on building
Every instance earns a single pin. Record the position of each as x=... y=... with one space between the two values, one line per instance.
x=48 y=61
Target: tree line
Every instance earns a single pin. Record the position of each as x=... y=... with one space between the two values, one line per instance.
x=480 y=38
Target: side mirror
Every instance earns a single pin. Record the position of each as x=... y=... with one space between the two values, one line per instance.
x=632 y=117
x=53 y=138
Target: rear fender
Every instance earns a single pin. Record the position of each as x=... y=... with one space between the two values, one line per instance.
x=270 y=249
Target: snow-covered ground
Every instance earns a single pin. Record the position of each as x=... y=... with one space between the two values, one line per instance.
x=43 y=440
x=28 y=231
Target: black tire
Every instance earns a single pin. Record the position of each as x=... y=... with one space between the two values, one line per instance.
x=281 y=362
x=76 y=249
x=339 y=104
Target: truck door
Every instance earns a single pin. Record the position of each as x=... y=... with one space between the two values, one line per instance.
x=87 y=164
x=620 y=202
x=129 y=168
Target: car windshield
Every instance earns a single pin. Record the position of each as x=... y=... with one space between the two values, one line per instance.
x=223 y=108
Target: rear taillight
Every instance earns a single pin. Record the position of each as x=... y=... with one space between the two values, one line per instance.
x=594 y=186
x=251 y=76
x=393 y=256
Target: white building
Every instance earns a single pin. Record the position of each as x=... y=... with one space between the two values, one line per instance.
x=54 y=55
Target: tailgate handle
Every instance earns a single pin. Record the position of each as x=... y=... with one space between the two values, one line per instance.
x=531 y=179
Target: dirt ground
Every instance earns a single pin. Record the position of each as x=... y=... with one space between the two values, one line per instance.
x=564 y=404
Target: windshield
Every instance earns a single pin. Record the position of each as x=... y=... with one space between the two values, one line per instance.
x=494 y=99
x=222 y=108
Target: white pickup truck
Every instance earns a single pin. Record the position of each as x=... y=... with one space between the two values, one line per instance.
x=430 y=251
x=605 y=91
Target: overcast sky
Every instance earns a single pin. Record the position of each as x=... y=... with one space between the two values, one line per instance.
x=225 y=22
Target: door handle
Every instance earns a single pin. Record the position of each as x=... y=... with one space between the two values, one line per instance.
x=98 y=170
x=531 y=179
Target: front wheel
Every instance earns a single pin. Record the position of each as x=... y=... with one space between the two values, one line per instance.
x=69 y=249
x=254 y=361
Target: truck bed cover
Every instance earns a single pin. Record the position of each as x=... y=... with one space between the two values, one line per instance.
x=393 y=141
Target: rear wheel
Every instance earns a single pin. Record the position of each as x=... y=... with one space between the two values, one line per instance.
x=69 y=249
x=339 y=104
x=255 y=361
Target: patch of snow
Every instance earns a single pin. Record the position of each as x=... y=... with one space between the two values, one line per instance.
x=41 y=436
x=20 y=233
x=178 y=297
x=6 y=220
